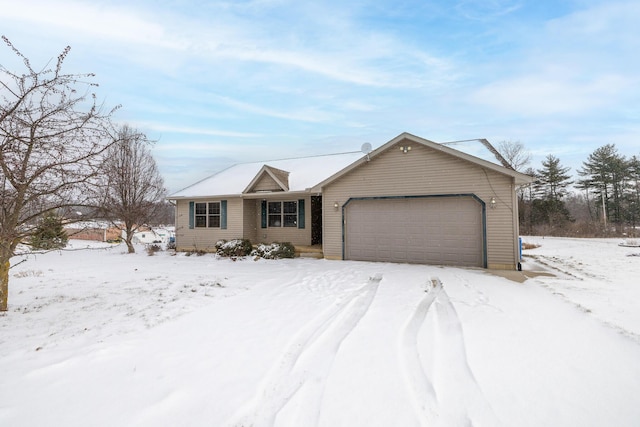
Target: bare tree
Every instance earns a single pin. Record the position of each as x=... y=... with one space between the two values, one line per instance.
x=133 y=185
x=515 y=153
x=52 y=138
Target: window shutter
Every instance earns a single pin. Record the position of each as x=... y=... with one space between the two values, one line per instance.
x=223 y=214
x=301 y=213
x=263 y=215
x=191 y=213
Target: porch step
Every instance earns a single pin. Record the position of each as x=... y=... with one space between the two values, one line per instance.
x=314 y=251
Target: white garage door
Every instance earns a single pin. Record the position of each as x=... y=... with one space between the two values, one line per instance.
x=429 y=230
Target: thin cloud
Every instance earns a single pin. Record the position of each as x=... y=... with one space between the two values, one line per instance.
x=551 y=94
x=486 y=10
x=159 y=127
x=258 y=78
x=361 y=61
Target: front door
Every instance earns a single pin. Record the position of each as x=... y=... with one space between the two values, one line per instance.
x=316 y=220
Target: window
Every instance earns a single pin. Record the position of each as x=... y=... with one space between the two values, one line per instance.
x=207 y=214
x=283 y=214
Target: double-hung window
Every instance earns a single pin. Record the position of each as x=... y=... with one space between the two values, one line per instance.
x=207 y=214
x=283 y=214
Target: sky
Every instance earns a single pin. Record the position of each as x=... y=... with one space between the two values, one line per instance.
x=215 y=83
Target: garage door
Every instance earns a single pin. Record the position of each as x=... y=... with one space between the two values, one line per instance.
x=429 y=230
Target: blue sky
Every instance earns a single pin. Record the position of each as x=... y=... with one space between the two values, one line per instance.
x=217 y=83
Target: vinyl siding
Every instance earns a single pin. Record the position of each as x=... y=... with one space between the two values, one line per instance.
x=293 y=235
x=420 y=172
x=266 y=183
x=205 y=238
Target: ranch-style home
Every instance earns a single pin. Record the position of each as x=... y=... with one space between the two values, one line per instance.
x=411 y=200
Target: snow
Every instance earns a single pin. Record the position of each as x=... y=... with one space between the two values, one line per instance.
x=98 y=337
x=304 y=173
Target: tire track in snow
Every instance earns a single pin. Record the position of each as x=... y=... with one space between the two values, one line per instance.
x=450 y=394
x=302 y=369
x=462 y=400
x=421 y=390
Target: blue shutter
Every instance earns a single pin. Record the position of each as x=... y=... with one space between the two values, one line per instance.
x=263 y=215
x=191 y=214
x=301 y=213
x=223 y=214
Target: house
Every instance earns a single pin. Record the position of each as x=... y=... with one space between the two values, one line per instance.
x=100 y=231
x=411 y=200
x=150 y=235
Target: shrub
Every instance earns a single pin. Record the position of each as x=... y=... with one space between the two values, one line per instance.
x=234 y=248
x=152 y=249
x=197 y=252
x=274 y=251
x=49 y=233
x=526 y=245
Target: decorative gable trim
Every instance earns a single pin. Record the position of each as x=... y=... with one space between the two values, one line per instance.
x=273 y=175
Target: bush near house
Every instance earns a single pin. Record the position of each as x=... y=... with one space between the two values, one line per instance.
x=243 y=247
x=234 y=248
x=274 y=251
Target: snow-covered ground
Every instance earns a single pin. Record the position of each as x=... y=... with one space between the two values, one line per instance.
x=98 y=337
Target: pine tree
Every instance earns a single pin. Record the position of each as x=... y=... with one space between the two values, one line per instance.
x=633 y=195
x=551 y=186
x=606 y=173
x=49 y=233
x=553 y=179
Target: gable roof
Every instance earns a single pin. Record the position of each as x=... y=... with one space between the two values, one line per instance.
x=280 y=177
x=311 y=174
x=520 y=178
x=304 y=173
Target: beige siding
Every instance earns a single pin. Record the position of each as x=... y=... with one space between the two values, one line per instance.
x=281 y=175
x=206 y=238
x=266 y=183
x=243 y=221
x=294 y=235
x=424 y=171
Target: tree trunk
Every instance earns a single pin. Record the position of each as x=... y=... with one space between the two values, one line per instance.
x=128 y=227
x=4 y=284
x=130 y=247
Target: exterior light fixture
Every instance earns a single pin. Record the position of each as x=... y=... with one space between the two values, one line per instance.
x=492 y=203
x=336 y=205
x=405 y=148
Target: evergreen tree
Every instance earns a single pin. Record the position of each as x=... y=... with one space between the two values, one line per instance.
x=633 y=195
x=49 y=233
x=553 y=179
x=605 y=174
x=551 y=186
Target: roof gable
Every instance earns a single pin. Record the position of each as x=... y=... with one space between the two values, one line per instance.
x=311 y=174
x=407 y=139
x=302 y=175
x=268 y=179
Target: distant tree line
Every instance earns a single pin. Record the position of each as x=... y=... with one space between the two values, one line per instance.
x=604 y=200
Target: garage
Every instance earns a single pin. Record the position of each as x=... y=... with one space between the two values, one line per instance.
x=444 y=230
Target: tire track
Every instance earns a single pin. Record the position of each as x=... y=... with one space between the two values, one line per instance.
x=463 y=402
x=449 y=395
x=421 y=390
x=302 y=369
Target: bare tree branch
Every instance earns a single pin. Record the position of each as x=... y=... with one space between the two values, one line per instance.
x=53 y=139
x=132 y=187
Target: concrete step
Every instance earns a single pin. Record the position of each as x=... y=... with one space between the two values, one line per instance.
x=314 y=251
